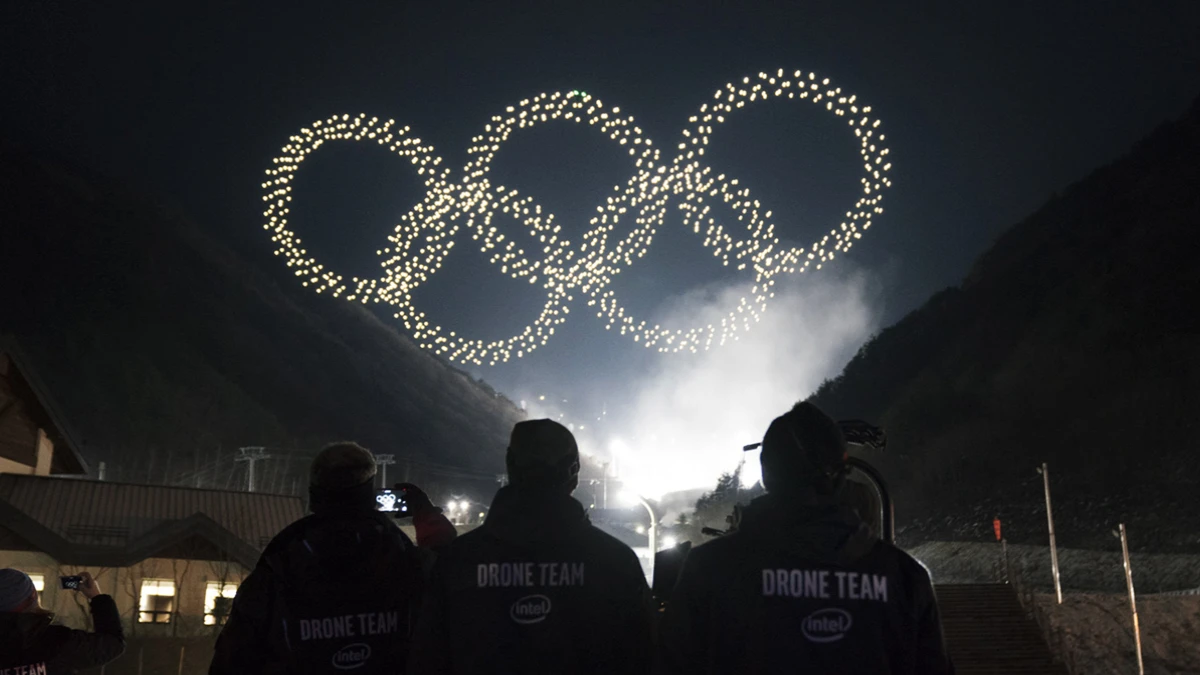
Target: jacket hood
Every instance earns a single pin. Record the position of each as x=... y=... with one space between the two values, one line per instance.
x=356 y=499
x=19 y=630
x=332 y=536
x=528 y=516
x=811 y=529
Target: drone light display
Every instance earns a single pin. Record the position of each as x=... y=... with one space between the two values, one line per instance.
x=734 y=226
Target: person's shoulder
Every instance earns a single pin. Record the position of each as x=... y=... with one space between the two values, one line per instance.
x=912 y=569
x=606 y=544
x=717 y=557
x=467 y=544
x=55 y=635
x=280 y=543
x=289 y=533
x=721 y=547
x=610 y=553
x=904 y=558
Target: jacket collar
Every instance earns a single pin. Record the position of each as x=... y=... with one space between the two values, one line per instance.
x=525 y=515
x=814 y=529
x=787 y=510
x=21 y=629
x=356 y=499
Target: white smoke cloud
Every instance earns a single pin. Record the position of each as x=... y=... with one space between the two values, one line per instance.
x=691 y=415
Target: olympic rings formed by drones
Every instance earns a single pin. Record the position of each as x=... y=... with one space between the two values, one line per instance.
x=427 y=233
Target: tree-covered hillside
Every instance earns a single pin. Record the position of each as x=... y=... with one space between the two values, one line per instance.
x=1074 y=340
x=168 y=349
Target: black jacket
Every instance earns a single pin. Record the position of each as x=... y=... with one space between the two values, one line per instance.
x=331 y=592
x=535 y=589
x=29 y=640
x=802 y=588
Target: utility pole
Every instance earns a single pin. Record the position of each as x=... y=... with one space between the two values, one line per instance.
x=384 y=461
x=653 y=543
x=250 y=455
x=605 y=500
x=1045 y=471
x=1137 y=631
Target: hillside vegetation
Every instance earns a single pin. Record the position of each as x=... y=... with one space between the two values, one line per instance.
x=167 y=349
x=1074 y=340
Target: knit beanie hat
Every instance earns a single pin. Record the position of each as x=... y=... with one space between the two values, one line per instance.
x=804 y=449
x=542 y=453
x=16 y=590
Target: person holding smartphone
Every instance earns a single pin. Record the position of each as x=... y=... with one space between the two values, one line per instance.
x=338 y=589
x=30 y=643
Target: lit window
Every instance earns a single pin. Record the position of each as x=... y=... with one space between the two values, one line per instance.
x=39 y=584
x=218 y=599
x=158 y=601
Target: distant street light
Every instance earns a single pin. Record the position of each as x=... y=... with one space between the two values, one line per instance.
x=459 y=511
x=630 y=497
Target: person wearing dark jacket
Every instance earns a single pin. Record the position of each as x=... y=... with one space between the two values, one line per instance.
x=338 y=589
x=30 y=643
x=536 y=588
x=802 y=586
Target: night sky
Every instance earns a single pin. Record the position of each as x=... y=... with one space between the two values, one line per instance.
x=990 y=108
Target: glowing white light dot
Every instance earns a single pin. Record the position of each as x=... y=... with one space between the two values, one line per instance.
x=426 y=234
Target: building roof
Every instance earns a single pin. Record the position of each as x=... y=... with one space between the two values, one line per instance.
x=118 y=524
x=67 y=456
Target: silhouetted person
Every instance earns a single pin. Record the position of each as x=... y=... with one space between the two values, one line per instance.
x=802 y=586
x=30 y=643
x=536 y=588
x=338 y=589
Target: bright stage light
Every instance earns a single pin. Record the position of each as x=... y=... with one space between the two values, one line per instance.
x=564 y=269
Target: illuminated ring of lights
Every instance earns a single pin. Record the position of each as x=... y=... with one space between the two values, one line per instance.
x=427 y=232
x=689 y=177
x=562 y=269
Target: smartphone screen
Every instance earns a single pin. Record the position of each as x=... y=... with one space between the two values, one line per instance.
x=393 y=502
x=70 y=582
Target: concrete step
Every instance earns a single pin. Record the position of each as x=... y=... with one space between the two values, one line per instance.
x=988 y=632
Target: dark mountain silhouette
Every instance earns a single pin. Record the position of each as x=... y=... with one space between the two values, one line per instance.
x=168 y=350
x=1075 y=340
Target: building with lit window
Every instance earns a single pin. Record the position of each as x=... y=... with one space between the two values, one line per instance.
x=171 y=557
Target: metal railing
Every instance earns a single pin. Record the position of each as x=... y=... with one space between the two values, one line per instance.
x=1055 y=638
